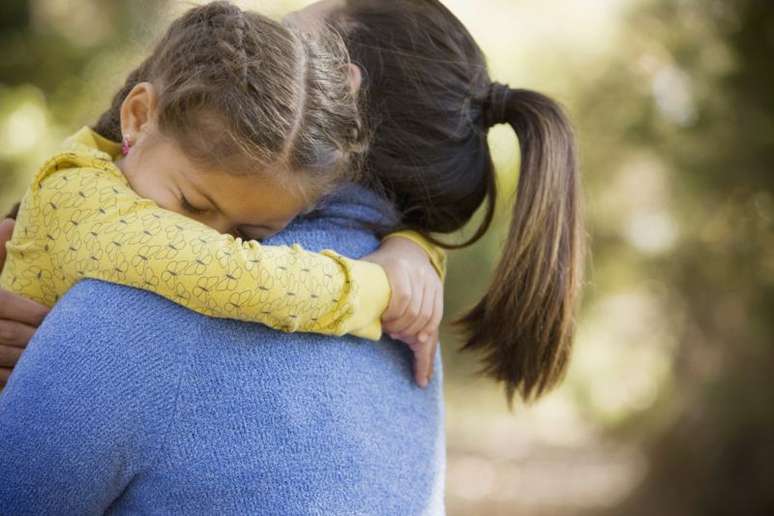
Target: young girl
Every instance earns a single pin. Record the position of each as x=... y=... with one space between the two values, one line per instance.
x=432 y=103
x=233 y=124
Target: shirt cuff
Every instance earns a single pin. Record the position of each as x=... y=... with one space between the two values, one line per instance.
x=370 y=297
x=435 y=254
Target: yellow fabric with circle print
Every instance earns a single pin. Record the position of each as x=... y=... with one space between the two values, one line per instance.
x=80 y=219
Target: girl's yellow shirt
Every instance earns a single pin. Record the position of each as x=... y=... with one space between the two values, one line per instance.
x=81 y=219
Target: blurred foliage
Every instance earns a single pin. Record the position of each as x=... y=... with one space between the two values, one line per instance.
x=709 y=126
x=669 y=404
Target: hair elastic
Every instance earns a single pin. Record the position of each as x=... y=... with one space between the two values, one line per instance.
x=496 y=104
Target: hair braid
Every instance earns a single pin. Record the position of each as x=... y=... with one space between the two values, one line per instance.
x=229 y=30
x=230 y=93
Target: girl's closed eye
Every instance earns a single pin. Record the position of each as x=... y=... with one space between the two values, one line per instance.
x=189 y=208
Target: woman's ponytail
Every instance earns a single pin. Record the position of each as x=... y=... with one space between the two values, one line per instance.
x=524 y=324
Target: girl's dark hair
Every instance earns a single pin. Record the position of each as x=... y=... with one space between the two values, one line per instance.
x=240 y=91
x=430 y=105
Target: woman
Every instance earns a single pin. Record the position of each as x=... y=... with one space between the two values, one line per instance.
x=431 y=104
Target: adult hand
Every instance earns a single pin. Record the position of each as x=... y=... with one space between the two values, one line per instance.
x=19 y=317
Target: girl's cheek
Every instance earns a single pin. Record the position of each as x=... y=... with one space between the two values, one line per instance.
x=165 y=197
x=149 y=173
x=156 y=190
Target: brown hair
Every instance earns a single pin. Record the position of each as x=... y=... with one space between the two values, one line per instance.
x=240 y=91
x=431 y=104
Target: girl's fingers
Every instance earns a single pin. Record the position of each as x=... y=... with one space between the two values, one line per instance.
x=433 y=345
x=422 y=319
x=413 y=310
x=399 y=298
x=435 y=321
x=423 y=364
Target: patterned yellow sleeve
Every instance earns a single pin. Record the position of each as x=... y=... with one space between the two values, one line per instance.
x=436 y=254
x=85 y=222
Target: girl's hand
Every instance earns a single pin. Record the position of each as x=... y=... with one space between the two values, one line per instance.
x=19 y=317
x=416 y=304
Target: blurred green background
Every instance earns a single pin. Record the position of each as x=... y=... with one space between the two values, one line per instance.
x=668 y=408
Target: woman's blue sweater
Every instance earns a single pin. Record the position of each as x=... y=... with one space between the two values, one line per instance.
x=125 y=403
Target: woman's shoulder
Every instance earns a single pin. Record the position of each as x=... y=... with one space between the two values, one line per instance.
x=127 y=341
x=98 y=382
x=119 y=312
x=119 y=327
x=350 y=221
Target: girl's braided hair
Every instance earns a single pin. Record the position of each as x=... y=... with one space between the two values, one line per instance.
x=239 y=91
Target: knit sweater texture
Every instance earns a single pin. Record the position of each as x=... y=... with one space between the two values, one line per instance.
x=126 y=403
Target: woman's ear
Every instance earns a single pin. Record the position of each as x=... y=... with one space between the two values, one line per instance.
x=138 y=111
x=355 y=77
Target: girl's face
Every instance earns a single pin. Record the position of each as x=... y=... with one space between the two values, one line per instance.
x=254 y=205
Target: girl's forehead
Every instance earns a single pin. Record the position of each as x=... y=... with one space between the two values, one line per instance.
x=253 y=199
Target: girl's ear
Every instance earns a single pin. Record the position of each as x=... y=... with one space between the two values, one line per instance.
x=355 y=77
x=138 y=111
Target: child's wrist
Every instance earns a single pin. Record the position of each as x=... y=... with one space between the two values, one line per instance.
x=434 y=254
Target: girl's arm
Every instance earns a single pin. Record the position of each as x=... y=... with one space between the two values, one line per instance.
x=80 y=223
x=20 y=316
